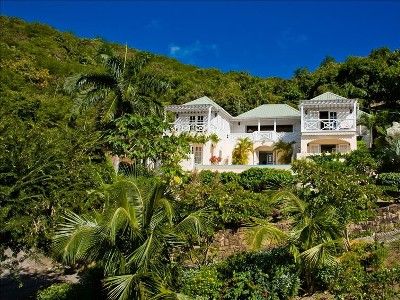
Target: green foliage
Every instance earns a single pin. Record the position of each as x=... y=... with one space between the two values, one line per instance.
x=334 y=184
x=207 y=176
x=259 y=179
x=204 y=283
x=44 y=170
x=360 y=275
x=227 y=177
x=229 y=205
x=361 y=160
x=134 y=239
x=262 y=275
x=240 y=154
x=270 y=273
x=142 y=139
x=57 y=291
x=390 y=179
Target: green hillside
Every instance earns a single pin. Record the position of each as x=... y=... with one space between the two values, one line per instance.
x=35 y=60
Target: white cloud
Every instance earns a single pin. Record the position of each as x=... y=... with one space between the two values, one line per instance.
x=192 y=51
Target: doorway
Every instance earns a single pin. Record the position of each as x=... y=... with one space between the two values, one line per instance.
x=328 y=148
x=265 y=158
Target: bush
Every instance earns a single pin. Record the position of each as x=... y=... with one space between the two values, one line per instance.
x=208 y=177
x=259 y=179
x=228 y=177
x=362 y=161
x=203 y=283
x=361 y=275
x=269 y=274
x=389 y=179
x=57 y=291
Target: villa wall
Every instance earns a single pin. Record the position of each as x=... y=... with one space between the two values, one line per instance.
x=326 y=139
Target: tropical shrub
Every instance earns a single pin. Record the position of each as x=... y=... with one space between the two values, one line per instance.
x=360 y=274
x=270 y=274
x=207 y=176
x=389 y=179
x=228 y=205
x=259 y=179
x=227 y=177
x=361 y=160
x=57 y=291
x=204 y=283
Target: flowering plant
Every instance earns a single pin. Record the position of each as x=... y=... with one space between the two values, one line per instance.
x=215 y=159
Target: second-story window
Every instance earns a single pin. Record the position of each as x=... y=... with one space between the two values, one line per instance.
x=200 y=119
x=192 y=122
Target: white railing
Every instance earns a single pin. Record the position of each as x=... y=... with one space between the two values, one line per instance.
x=328 y=124
x=190 y=127
x=265 y=136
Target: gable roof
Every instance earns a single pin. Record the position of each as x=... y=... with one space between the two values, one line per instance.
x=270 y=111
x=203 y=101
x=328 y=96
x=200 y=103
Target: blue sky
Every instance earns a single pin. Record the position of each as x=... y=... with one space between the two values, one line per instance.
x=264 y=38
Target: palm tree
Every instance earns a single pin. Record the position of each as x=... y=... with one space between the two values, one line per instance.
x=315 y=232
x=241 y=151
x=134 y=240
x=123 y=88
x=286 y=149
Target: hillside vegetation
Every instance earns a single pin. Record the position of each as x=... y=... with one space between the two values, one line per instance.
x=36 y=59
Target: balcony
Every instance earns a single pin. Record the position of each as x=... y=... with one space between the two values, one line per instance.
x=180 y=127
x=265 y=136
x=311 y=125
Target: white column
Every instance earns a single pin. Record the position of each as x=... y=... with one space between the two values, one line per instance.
x=355 y=115
x=259 y=125
x=301 y=118
x=209 y=119
x=275 y=125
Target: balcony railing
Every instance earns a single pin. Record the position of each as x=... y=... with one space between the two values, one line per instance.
x=328 y=124
x=265 y=136
x=190 y=127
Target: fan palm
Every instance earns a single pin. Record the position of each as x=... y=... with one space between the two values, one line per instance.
x=241 y=151
x=134 y=240
x=122 y=88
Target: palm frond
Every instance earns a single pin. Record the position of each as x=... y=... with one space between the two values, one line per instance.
x=194 y=224
x=140 y=258
x=76 y=237
x=131 y=286
x=318 y=255
x=264 y=232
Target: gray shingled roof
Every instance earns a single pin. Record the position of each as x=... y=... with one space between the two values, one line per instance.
x=270 y=111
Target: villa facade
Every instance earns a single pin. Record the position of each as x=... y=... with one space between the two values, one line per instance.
x=326 y=123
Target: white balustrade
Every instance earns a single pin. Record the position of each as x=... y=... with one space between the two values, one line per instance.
x=265 y=136
x=190 y=127
x=328 y=124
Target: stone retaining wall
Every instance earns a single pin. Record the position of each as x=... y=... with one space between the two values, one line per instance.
x=387 y=219
x=228 y=242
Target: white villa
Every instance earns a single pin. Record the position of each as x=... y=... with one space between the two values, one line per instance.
x=326 y=123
